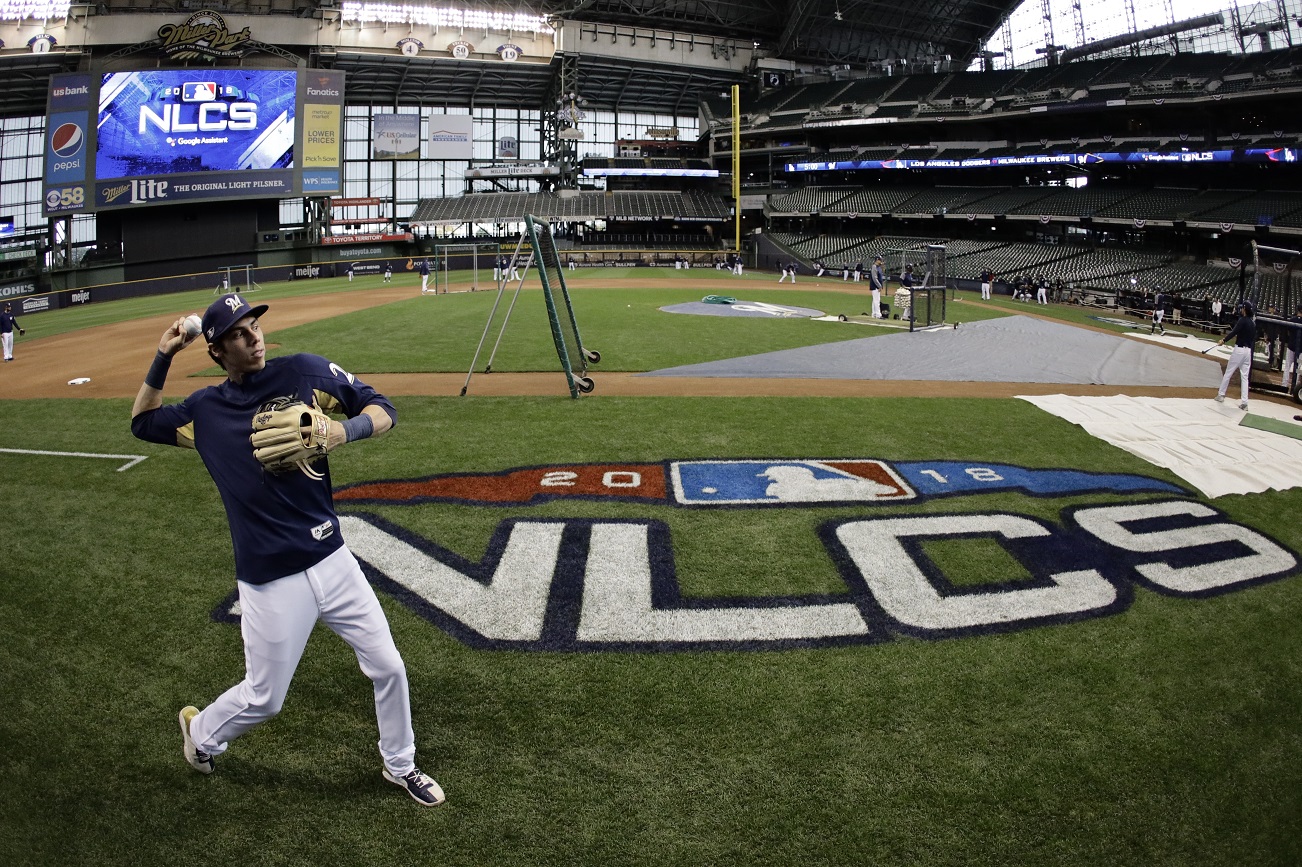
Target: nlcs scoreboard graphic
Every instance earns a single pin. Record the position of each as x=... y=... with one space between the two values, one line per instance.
x=162 y=136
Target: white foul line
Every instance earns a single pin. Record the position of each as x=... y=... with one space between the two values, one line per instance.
x=132 y=460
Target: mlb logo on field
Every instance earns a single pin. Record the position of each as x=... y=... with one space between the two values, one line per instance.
x=67 y=140
x=736 y=483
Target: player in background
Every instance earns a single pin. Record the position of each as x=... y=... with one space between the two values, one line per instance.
x=350 y=272
x=1292 y=349
x=1042 y=290
x=786 y=271
x=1244 y=333
x=292 y=567
x=388 y=272
x=7 y=325
x=424 y=276
x=987 y=281
x=1159 y=300
x=877 y=279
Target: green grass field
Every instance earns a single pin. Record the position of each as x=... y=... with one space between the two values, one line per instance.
x=1165 y=731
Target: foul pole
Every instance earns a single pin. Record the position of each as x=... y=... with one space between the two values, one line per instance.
x=736 y=167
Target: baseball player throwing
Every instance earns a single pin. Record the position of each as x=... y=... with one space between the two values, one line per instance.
x=263 y=435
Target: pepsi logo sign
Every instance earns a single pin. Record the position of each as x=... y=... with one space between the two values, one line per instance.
x=67 y=140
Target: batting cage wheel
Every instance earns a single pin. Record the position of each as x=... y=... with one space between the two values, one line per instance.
x=584 y=384
x=593 y=356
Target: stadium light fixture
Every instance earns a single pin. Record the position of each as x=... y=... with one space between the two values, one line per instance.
x=429 y=16
x=45 y=10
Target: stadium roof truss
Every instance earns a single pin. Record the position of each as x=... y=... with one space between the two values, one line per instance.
x=808 y=34
x=816 y=31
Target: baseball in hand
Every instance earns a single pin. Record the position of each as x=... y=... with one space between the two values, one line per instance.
x=193 y=325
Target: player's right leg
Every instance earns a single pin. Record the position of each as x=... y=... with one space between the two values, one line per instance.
x=276 y=619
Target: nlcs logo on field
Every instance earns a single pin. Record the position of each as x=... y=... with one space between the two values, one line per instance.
x=723 y=483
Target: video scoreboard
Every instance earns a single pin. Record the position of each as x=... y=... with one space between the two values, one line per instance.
x=166 y=136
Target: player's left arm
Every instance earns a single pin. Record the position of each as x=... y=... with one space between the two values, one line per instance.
x=369 y=413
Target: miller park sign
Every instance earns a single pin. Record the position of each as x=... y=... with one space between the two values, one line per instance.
x=203 y=35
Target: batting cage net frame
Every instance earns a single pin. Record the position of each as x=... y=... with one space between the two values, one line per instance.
x=574 y=356
x=1270 y=281
x=447 y=258
x=537 y=245
x=227 y=275
x=923 y=303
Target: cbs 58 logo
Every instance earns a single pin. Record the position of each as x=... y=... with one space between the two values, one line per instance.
x=60 y=198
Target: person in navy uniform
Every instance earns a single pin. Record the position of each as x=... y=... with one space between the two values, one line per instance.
x=1292 y=349
x=1159 y=311
x=424 y=276
x=388 y=272
x=1244 y=334
x=877 y=279
x=7 y=325
x=350 y=271
x=292 y=567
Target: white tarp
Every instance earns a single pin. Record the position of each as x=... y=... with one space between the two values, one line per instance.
x=1199 y=440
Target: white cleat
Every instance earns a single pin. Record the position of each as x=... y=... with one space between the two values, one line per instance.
x=421 y=787
x=195 y=757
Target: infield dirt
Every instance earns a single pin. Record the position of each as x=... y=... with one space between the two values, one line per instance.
x=115 y=358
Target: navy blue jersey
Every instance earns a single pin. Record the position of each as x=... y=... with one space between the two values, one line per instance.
x=1244 y=332
x=280 y=523
x=7 y=323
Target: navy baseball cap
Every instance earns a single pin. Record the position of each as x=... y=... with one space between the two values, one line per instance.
x=225 y=312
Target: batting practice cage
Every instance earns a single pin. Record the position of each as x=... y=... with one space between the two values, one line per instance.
x=538 y=246
x=479 y=259
x=923 y=303
x=1267 y=279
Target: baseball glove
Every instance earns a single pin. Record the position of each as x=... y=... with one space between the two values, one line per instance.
x=288 y=432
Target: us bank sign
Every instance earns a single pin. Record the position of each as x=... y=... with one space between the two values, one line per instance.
x=611 y=585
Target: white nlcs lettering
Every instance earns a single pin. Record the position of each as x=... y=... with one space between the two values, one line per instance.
x=211 y=117
x=1266 y=558
x=908 y=596
x=625 y=601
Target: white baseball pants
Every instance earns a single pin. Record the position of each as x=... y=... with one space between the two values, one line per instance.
x=877 y=303
x=1290 y=369
x=7 y=343
x=985 y=291
x=276 y=620
x=1240 y=360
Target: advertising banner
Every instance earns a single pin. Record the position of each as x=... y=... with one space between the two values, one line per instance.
x=157 y=136
x=395 y=137
x=450 y=137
